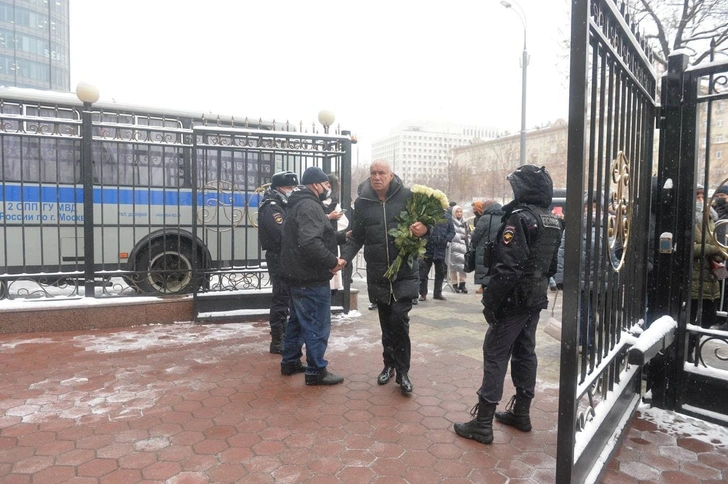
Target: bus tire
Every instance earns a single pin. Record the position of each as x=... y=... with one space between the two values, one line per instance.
x=165 y=267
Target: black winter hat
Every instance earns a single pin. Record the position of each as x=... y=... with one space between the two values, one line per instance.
x=313 y=174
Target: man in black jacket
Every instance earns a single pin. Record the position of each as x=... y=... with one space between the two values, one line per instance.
x=308 y=260
x=271 y=215
x=524 y=259
x=381 y=198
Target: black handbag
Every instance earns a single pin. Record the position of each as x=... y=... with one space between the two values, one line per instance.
x=470 y=259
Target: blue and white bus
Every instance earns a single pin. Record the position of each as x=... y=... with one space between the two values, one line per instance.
x=174 y=194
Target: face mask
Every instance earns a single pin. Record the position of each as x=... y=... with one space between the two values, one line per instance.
x=699 y=209
x=287 y=193
x=325 y=194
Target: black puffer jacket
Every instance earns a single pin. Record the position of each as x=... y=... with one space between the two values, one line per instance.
x=372 y=221
x=308 y=249
x=486 y=229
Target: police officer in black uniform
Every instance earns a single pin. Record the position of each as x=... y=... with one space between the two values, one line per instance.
x=271 y=214
x=524 y=257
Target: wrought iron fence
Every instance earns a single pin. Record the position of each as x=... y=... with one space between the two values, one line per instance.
x=172 y=198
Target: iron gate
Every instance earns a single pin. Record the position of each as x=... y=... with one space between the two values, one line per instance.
x=226 y=158
x=630 y=255
x=611 y=128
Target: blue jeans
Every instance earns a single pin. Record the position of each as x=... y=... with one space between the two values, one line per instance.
x=309 y=324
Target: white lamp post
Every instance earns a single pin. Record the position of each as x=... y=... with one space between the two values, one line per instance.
x=524 y=66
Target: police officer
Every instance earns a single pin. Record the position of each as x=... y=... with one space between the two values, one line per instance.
x=523 y=259
x=271 y=214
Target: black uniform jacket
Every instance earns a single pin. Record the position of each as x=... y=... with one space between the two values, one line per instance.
x=271 y=215
x=525 y=253
x=372 y=221
x=308 y=246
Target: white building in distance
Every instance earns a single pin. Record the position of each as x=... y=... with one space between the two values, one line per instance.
x=421 y=152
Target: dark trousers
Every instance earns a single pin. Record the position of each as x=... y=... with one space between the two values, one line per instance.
x=440 y=271
x=514 y=339
x=310 y=324
x=279 y=303
x=394 y=321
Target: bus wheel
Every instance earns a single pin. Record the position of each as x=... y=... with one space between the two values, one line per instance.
x=166 y=268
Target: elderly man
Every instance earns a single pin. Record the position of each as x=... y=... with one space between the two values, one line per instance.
x=381 y=198
x=309 y=261
x=271 y=215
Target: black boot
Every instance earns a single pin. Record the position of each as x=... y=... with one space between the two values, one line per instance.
x=386 y=374
x=517 y=413
x=481 y=427
x=462 y=288
x=276 y=341
x=404 y=382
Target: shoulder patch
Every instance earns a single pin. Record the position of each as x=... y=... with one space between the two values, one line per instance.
x=278 y=218
x=508 y=234
x=550 y=221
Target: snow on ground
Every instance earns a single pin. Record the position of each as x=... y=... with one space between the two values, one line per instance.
x=684 y=426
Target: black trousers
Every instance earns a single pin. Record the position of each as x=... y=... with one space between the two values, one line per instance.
x=281 y=295
x=440 y=271
x=394 y=321
x=514 y=339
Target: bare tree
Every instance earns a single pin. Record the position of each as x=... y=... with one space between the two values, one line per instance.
x=682 y=24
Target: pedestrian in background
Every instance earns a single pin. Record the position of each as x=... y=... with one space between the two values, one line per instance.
x=339 y=222
x=458 y=248
x=435 y=253
x=488 y=215
x=309 y=260
x=381 y=198
x=271 y=215
x=524 y=259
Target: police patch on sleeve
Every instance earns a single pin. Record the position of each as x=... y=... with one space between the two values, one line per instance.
x=278 y=218
x=508 y=234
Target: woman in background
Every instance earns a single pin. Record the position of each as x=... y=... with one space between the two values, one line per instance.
x=458 y=248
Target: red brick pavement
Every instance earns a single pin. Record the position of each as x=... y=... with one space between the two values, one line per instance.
x=185 y=404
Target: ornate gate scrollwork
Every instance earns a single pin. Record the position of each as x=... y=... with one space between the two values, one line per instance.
x=219 y=206
x=620 y=210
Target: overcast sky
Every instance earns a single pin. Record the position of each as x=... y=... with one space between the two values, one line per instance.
x=374 y=63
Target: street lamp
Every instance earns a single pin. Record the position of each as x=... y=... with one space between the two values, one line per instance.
x=326 y=118
x=524 y=66
x=87 y=94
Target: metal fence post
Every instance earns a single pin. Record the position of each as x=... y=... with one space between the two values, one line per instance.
x=87 y=162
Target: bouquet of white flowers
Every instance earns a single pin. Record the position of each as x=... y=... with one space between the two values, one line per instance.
x=426 y=205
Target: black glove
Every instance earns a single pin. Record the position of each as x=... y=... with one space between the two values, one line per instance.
x=489 y=316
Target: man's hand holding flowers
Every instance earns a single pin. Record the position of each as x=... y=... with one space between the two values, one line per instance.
x=424 y=208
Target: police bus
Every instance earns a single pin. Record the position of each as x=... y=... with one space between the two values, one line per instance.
x=171 y=191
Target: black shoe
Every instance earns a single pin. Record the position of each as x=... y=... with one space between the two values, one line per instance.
x=462 y=288
x=423 y=297
x=372 y=306
x=414 y=302
x=292 y=368
x=386 y=375
x=404 y=382
x=324 y=377
x=440 y=297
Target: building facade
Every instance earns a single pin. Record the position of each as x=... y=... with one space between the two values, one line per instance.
x=35 y=45
x=422 y=152
x=490 y=161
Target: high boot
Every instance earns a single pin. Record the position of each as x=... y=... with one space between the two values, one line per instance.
x=276 y=341
x=517 y=413
x=462 y=288
x=481 y=427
